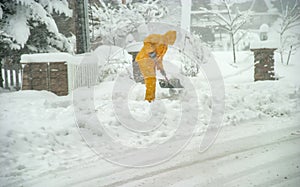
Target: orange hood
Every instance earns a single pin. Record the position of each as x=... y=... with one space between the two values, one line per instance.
x=167 y=39
x=170 y=37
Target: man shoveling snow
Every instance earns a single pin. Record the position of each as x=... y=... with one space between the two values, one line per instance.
x=150 y=58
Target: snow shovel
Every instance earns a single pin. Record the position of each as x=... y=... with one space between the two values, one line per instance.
x=166 y=83
x=170 y=83
x=174 y=85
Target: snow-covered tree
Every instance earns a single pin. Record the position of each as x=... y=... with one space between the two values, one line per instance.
x=27 y=26
x=113 y=23
x=289 y=28
x=229 y=20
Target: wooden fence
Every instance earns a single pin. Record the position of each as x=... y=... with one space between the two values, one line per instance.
x=11 y=73
x=81 y=74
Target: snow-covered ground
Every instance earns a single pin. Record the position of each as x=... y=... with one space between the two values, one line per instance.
x=41 y=145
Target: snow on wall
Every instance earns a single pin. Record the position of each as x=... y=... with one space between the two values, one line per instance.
x=45 y=57
x=270 y=44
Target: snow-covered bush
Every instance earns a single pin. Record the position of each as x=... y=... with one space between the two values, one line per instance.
x=26 y=26
x=189 y=67
x=112 y=60
x=151 y=10
x=199 y=51
x=110 y=70
x=112 y=24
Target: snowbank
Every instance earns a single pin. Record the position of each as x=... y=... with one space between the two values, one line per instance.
x=39 y=135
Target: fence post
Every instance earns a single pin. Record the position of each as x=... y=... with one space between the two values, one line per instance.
x=5 y=75
x=17 y=70
x=1 y=79
x=11 y=75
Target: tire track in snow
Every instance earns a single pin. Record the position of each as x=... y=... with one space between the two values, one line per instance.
x=115 y=184
x=102 y=173
x=226 y=181
x=233 y=147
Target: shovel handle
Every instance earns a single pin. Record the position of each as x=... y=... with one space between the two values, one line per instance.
x=167 y=79
x=154 y=58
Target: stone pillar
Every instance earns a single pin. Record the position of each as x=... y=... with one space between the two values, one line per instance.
x=264 y=64
x=263 y=56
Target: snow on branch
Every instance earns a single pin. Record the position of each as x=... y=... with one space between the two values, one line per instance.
x=290 y=16
x=28 y=26
x=229 y=20
x=111 y=24
x=58 y=6
x=289 y=31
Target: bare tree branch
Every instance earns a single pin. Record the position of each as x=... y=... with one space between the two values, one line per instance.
x=229 y=21
x=290 y=16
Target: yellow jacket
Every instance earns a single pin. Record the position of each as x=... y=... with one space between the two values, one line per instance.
x=155 y=43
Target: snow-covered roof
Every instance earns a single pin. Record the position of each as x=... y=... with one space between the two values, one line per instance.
x=266 y=3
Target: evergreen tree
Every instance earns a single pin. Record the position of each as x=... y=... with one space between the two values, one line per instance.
x=27 y=26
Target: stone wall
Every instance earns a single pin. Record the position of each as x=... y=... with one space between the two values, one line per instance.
x=46 y=76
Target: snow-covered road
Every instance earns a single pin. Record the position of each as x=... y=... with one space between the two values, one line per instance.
x=265 y=154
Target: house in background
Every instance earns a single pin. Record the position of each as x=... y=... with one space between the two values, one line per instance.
x=202 y=23
x=263 y=11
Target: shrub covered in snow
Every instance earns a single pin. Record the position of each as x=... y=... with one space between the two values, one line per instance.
x=112 y=60
x=199 y=51
x=112 y=24
x=110 y=70
x=189 y=67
